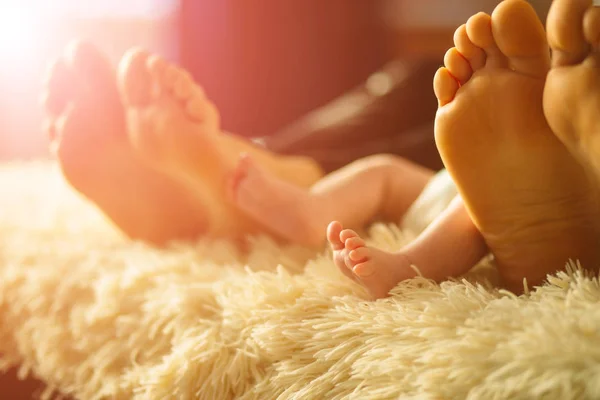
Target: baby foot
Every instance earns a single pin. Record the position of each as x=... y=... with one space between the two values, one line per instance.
x=86 y=125
x=572 y=92
x=527 y=195
x=378 y=271
x=175 y=127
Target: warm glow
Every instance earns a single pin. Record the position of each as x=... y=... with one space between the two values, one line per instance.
x=19 y=30
x=25 y=25
x=33 y=33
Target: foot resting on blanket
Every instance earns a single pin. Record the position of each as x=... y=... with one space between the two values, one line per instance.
x=378 y=271
x=86 y=125
x=531 y=200
x=380 y=186
x=175 y=128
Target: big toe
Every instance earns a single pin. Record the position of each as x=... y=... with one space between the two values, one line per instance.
x=333 y=235
x=91 y=76
x=87 y=60
x=134 y=78
x=591 y=26
x=81 y=77
x=520 y=36
x=565 y=31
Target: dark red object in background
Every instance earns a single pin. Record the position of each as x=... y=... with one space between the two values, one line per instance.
x=266 y=63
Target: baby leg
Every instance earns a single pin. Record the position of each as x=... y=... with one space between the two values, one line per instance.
x=450 y=246
x=381 y=186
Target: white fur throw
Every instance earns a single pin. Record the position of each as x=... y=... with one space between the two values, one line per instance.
x=97 y=316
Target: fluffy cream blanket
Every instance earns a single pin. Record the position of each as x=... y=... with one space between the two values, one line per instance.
x=97 y=316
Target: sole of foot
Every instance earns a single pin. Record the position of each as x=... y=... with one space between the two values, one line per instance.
x=378 y=271
x=529 y=197
x=571 y=95
x=85 y=122
x=175 y=127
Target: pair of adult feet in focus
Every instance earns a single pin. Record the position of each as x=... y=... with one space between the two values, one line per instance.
x=519 y=132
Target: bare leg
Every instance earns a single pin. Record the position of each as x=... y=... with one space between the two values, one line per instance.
x=449 y=247
x=374 y=187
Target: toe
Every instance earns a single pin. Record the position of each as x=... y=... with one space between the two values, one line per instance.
x=565 y=31
x=183 y=86
x=520 y=36
x=458 y=65
x=156 y=66
x=479 y=30
x=180 y=84
x=444 y=86
x=87 y=60
x=353 y=243
x=135 y=81
x=364 y=270
x=347 y=234
x=200 y=109
x=360 y=254
x=474 y=55
x=196 y=108
x=169 y=77
x=591 y=27
x=334 y=229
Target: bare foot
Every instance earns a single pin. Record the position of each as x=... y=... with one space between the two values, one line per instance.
x=378 y=271
x=176 y=128
x=572 y=92
x=527 y=195
x=86 y=125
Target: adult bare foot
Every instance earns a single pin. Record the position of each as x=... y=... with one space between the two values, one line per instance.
x=572 y=92
x=377 y=270
x=531 y=200
x=176 y=128
x=86 y=124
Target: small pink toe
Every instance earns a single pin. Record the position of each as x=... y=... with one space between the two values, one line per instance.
x=347 y=234
x=354 y=243
x=359 y=255
x=364 y=269
x=333 y=235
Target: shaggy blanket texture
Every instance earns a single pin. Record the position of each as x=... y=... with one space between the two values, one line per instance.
x=97 y=316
